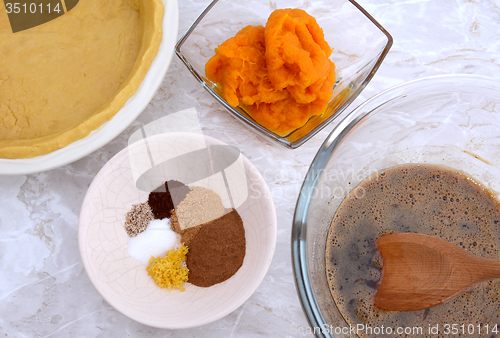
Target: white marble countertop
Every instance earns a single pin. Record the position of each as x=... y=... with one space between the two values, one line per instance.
x=44 y=290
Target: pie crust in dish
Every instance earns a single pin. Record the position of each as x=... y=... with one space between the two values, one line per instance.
x=63 y=79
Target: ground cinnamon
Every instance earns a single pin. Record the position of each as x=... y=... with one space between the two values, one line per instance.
x=217 y=250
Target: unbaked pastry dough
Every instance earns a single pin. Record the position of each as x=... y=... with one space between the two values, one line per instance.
x=63 y=79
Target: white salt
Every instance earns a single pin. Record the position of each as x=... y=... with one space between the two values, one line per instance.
x=156 y=240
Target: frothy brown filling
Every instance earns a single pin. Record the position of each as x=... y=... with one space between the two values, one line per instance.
x=428 y=199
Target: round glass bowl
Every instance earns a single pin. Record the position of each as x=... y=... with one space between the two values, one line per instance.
x=125 y=116
x=449 y=120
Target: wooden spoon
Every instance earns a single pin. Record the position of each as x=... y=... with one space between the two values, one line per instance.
x=421 y=271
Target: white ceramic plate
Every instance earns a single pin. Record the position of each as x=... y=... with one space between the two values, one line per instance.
x=111 y=129
x=123 y=282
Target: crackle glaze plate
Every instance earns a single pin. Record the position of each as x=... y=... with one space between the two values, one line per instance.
x=123 y=281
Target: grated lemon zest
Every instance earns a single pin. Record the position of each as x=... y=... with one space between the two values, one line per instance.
x=168 y=271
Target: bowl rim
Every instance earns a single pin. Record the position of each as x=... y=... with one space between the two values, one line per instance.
x=264 y=267
x=299 y=223
x=249 y=121
x=121 y=120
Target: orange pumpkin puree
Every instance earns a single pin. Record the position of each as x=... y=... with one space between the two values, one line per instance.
x=280 y=74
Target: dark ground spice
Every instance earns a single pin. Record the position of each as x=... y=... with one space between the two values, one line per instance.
x=166 y=197
x=217 y=250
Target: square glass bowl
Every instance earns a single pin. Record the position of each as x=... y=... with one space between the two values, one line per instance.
x=359 y=46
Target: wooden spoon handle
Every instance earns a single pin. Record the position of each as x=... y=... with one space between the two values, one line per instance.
x=490 y=269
